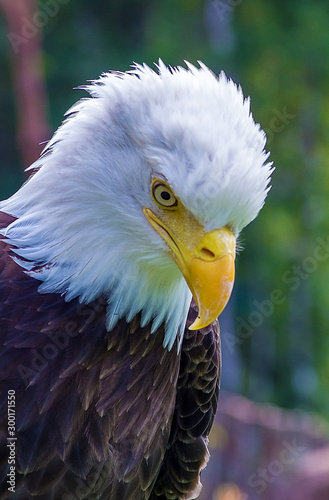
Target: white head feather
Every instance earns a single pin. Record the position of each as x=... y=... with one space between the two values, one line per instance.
x=80 y=219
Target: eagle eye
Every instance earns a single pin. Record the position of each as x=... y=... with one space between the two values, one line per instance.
x=163 y=195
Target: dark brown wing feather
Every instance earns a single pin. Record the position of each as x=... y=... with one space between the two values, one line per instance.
x=97 y=415
x=195 y=408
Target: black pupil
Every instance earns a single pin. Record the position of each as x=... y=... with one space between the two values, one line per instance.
x=165 y=195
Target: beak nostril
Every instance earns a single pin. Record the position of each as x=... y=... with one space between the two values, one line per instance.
x=206 y=253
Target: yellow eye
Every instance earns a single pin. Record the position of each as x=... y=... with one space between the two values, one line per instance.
x=163 y=195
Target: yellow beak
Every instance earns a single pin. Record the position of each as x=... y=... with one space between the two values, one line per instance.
x=211 y=275
x=206 y=260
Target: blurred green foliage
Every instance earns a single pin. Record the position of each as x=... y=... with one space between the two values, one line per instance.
x=279 y=52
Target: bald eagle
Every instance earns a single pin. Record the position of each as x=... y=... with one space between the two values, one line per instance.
x=116 y=258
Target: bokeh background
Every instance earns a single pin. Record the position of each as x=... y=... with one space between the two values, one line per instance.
x=275 y=331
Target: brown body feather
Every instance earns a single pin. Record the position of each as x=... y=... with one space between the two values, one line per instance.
x=99 y=415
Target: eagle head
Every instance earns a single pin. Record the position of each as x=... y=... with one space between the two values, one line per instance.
x=140 y=195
